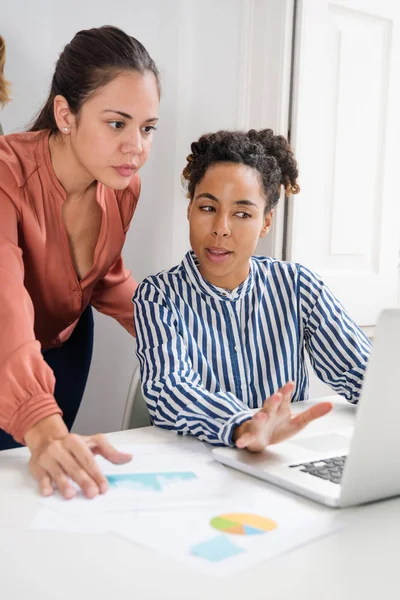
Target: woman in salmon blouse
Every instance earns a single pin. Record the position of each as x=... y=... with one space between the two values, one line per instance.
x=68 y=191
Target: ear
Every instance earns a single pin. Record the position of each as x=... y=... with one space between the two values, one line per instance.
x=267 y=224
x=64 y=118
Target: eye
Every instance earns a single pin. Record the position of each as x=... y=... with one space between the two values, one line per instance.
x=243 y=215
x=149 y=128
x=117 y=124
x=207 y=208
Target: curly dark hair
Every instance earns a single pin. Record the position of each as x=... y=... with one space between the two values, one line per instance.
x=269 y=154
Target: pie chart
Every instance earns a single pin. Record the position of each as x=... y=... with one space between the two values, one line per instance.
x=243 y=524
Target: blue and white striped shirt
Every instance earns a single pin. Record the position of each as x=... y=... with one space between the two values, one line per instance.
x=208 y=356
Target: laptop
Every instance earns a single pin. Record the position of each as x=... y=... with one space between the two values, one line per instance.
x=346 y=467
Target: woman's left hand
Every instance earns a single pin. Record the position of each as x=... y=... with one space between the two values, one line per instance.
x=60 y=458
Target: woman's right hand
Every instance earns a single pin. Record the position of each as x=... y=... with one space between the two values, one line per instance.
x=274 y=422
x=57 y=457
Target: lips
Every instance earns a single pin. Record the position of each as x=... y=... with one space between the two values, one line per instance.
x=125 y=170
x=216 y=254
x=218 y=251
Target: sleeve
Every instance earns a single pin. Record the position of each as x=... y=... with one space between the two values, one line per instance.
x=112 y=295
x=173 y=390
x=337 y=347
x=26 y=381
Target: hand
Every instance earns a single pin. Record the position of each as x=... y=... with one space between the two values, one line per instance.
x=274 y=422
x=59 y=456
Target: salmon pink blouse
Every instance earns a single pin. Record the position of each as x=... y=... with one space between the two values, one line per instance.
x=41 y=297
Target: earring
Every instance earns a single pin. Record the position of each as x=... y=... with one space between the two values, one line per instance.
x=65 y=129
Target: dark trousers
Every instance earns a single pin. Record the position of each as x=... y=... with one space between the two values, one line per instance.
x=70 y=364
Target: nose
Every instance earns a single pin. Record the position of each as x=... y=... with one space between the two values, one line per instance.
x=221 y=226
x=133 y=143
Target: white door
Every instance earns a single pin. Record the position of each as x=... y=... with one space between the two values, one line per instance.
x=345 y=131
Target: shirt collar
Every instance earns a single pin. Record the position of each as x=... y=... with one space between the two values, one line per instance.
x=191 y=265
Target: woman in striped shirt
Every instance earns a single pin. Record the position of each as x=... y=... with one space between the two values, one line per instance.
x=225 y=332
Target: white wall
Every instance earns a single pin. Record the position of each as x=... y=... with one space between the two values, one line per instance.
x=196 y=44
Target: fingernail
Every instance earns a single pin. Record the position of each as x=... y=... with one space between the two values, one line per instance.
x=103 y=487
x=92 y=490
x=69 y=493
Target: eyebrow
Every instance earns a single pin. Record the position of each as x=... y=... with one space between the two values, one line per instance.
x=126 y=115
x=211 y=197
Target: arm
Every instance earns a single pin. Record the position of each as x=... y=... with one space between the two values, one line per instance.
x=174 y=393
x=337 y=347
x=26 y=381
x=28 y=409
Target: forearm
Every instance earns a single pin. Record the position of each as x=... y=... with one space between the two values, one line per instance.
x=187 y=408
x=337 y=347
x=26 y=390
x=345 y=383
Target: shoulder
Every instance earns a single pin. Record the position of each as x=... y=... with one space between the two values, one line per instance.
x=163 y=284
x=268 y=265
x=266 y=268
x=20 y=156
x=283 y=272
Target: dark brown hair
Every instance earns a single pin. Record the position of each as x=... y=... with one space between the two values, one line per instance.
x=91 y=60
x=263 y=151
x=4 y=84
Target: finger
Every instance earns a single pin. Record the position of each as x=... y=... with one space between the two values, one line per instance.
x=100 y=445
x=45 y=487
x=96 y=482
x=287 y=392
x=71 y=457
x=246 y=440
x=58 y=476
x=255 y=434
x=315 y=412
x=256 y=437
x=271 y=405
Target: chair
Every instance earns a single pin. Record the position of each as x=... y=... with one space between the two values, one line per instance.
x=135 y=413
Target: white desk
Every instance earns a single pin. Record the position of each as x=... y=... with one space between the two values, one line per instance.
x=359 y=562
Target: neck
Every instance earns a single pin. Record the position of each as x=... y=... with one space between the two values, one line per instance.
x=70 y=173
x=226 y=282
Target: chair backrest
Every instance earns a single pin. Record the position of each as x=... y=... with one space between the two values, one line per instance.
x=136 y=413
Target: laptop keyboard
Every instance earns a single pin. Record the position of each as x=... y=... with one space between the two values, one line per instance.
x=330 y=469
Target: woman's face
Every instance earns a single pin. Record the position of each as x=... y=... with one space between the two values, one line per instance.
x=226 y=219
x=112 y=136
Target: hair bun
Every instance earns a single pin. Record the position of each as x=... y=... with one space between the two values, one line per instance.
x=292 y=189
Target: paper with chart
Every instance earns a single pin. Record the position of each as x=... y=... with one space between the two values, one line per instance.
x=173 y=499
x=236 y=534
x=159 y=476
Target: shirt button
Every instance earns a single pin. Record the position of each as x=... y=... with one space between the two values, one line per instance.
x=243 y=386
x=236 y=348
